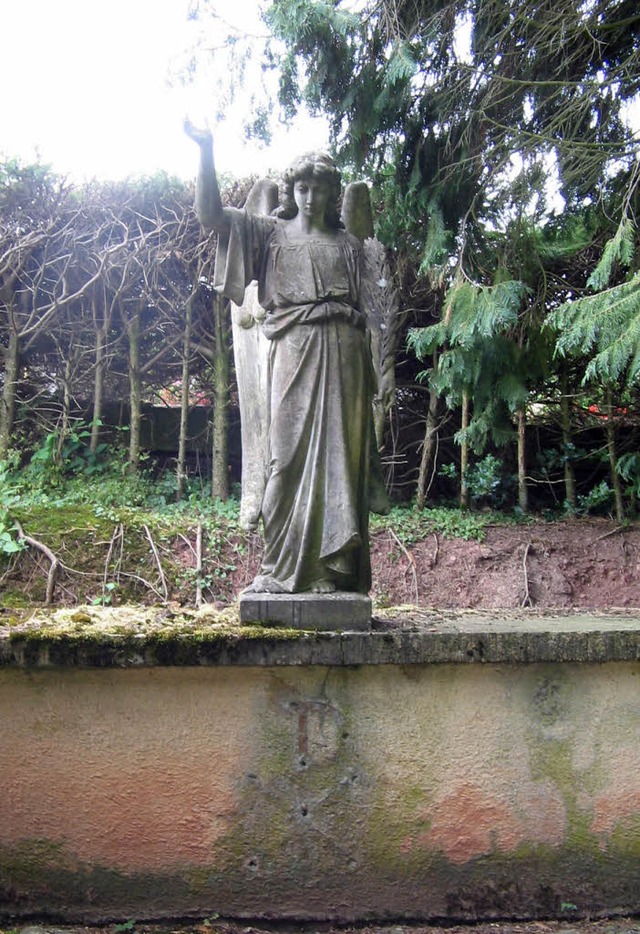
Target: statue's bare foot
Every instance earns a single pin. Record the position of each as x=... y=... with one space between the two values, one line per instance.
x=264 y=584
x=322 y=586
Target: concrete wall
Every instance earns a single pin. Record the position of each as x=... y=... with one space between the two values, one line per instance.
x=425 y=791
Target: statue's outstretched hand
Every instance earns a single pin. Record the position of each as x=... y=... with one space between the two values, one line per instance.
x=208 y=202
x=200 y=135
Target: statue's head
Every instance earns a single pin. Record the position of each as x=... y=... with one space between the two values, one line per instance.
x=316 y=165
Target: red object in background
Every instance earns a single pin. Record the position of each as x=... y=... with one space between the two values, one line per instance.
x=594 y=409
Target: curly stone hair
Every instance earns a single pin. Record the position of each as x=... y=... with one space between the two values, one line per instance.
x=315 y=164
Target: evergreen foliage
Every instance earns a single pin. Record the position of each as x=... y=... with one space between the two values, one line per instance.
x=604 y=327
x=477 y=356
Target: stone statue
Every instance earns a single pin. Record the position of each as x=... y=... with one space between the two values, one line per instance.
x=320 y=470
x=251 y=355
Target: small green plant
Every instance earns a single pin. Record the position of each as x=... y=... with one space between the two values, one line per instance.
x=69 y=453
x=62 y=456
x=449 y=471
x=484 y=480
x=568 y=906
x=125 y=928
x=598 y=499
x=628 y=467
x=10 y=486
x=9 y=541
x=105 y=598
x=411 y=525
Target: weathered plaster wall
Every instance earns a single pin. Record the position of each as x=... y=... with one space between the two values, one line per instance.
x=423 y=791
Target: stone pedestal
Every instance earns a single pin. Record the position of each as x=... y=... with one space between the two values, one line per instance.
x=322 y=611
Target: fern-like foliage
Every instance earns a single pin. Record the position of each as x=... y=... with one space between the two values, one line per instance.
x=555 y=243
x=619 y=249
x=478 y=356
x=479 y=312
x=402 y=63
x=472 y=313
x=605 y=326
x=436 y=245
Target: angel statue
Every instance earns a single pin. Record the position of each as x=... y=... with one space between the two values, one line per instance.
x=310 y=462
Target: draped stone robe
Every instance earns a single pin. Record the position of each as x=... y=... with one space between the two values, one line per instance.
x=315 y=506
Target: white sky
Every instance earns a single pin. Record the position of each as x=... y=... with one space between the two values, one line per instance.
x=85 y=88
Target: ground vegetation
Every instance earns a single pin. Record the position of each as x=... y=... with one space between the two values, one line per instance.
x=113 y=538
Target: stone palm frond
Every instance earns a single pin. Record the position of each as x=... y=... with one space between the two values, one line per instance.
x=380 y=299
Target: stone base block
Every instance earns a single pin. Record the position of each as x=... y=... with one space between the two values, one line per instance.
x=323 y=611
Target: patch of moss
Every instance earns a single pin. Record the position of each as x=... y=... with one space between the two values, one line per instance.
x=280 y=634
x=15 y=599
x=42 y=876
x=625 y=838
x=553 y=760
x=133 y=635
x=112 y=555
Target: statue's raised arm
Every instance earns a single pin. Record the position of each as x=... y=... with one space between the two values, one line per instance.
x=208 y=202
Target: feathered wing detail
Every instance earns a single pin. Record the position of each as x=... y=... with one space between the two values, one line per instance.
x=251 y=352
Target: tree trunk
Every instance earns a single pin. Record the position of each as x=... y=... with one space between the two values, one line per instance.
x=220 y=471
x=98 y=386
x=8 y=404
x=66 y=409
x=567 y=442
x=613 y=458
x=523 y=492
x=135 y=391
x=464 y=453
x=184 y=401
x=429 y=444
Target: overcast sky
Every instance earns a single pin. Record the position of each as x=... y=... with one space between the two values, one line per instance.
x=85 y=88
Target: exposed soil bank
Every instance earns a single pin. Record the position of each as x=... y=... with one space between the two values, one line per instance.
x=579 y=563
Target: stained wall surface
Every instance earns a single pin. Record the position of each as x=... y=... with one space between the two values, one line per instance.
x=418 y=791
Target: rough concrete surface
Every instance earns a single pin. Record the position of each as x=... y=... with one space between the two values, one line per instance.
x=352 y=792
x=444 y=766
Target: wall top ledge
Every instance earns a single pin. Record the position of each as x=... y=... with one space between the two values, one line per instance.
x=134 y=637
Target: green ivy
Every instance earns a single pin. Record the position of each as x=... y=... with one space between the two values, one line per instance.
x=9 y=541
x=411 y=525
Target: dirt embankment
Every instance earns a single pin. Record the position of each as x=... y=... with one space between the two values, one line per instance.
x=571 y=564
x=577 y=563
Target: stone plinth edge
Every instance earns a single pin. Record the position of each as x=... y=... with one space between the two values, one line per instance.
x=454 y=641
x=325 y=612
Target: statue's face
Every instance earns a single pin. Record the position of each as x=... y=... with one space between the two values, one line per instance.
x=311 y=195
